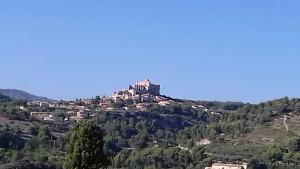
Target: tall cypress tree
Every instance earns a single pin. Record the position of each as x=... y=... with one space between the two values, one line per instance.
x=85 y=147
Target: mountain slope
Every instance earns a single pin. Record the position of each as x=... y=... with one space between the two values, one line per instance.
x=22 y=95
x=4 y=98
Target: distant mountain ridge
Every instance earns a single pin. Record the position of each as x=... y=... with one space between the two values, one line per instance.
x=22 y=95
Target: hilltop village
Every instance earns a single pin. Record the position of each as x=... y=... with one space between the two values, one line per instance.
x=140 y=120
x=138 y=97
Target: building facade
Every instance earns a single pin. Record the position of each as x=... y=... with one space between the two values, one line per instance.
x=228 y=166
x=145 y=87
x=140 y=88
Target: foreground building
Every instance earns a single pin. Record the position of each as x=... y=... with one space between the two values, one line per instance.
x=228 y=166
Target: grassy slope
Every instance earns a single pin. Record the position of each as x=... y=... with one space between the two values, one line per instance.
x=262 y=135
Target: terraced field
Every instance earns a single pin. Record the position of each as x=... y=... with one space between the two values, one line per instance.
x=275 y=131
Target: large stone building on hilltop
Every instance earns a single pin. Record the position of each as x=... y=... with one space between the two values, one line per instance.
x=145 y=87
x=138 y=89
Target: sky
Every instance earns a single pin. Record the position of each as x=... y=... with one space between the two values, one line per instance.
x=226 y=50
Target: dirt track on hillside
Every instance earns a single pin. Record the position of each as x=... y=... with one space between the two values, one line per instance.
x=284 y=122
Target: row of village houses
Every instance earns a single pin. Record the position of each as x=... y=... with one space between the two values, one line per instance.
x=105 y=102
x=69 y=115
x=80 y=109
x=103 y=105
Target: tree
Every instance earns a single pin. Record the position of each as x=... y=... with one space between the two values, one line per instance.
x=273 y=153
x=44 y=131
x=294 y=144
x=97 y=98
x=119 y=103
x=62 y=115
x=25 y=164
x=256 y=164
x=85 y=147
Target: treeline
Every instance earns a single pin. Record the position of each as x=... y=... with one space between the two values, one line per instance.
x=11 y=138
x=161 y=157
x=43 y=150
x=11 y=110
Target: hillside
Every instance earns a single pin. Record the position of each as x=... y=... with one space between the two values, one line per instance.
x=4 y=98
x=181 y=134
x=275 y=131
x=22 y=95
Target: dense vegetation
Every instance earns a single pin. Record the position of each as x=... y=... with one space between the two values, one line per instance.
x=163 y=137
x=85 y=147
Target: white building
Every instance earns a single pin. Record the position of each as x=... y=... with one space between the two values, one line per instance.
x=227 y=166
x=203 y=142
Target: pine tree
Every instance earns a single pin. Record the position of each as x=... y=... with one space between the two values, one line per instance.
x=85 y=147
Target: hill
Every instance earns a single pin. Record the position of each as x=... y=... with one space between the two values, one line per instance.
x=4 y=98
x=22 y=95
x=181 y=134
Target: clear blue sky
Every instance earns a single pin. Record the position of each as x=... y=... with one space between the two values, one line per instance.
x=206 y=50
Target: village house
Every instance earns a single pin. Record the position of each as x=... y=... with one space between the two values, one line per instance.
x=53 y=105
x=216 y=113
x=199 y=107
x=71 y=103
x=79 y=115
x=23 y=108
x=71 y=113
x=104 y=105
x=40 y=115
x=76 y=118
x=160 y=98
x=87 y=101
x=142 y=106
x=146 y=98
x=49 y=118
x=71 y=107
x=44 y=104
x=63 y=106
x=79 y=107
x=183 y=148
x=38 y=103
x=228 y=166
x=203 y=142
x=110 y=108
x=83 y=114
x=164 y=103
x=123 y=94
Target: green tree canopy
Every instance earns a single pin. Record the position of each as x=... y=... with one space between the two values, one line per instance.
x=85 y=147
x=294 y=144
